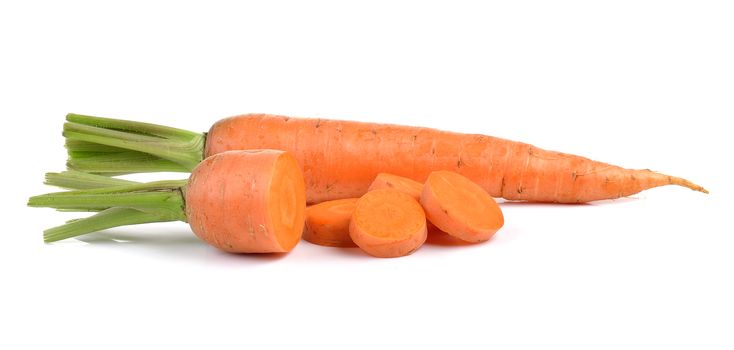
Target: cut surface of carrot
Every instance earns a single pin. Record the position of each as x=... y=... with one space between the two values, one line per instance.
x=327 y=223
x=402 y=184
x=460 y=207
x=388 y=223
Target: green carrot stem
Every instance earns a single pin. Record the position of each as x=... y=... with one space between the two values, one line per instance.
x=109 y=218
x=81 y=146
x=77 y=180
x=127 y=146
x=76 y=199
x=131 y=126
x=123 y=162
x=118 y=205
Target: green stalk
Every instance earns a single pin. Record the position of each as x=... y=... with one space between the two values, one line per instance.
x=113 y=146
x=77 y=180
x=123 y=162
x=118 y=203
x=109 y=218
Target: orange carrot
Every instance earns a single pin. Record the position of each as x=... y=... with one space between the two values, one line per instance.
x=237 y=201
x=340 y=159
x=327 y=223
x=247 y=201
x=388 y=223
x=460 y=207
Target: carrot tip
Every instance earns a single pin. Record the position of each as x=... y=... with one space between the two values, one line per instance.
x=685 y=183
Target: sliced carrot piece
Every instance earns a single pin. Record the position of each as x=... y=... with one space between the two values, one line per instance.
x=460 y=207
x=388 y=223
x=327 y=223
x=405 y=185
x=402 y=184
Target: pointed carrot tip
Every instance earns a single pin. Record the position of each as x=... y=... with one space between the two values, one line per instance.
x=689 y=184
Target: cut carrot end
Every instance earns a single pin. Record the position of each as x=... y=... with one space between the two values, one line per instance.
x=247 y=201
x=388 y=223
x=327 y=223
x=459 y=207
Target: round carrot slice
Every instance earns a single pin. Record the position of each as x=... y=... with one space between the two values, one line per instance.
x=327 y=223
x=459 y=207
x=388 y=223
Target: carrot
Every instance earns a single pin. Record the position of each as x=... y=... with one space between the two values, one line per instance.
x=388 y=223
x=340 y=159
x=402 y=184
x=237 y=201
x=460 y=207
x=327 y=223
x=405 y=185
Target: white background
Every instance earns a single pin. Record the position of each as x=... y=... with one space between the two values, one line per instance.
x=643 y=84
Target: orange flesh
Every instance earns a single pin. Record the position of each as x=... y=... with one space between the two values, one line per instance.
x=460 y=207
x=387 y=223
x=327 y=223
x=247 y=201
x=402 y=184
x=286 y=201
x=340 y=159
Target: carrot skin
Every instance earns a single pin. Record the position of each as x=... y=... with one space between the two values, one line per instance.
x=340 y=159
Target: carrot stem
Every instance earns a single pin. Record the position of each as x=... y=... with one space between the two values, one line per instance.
x=109 y=218
x=118 y=205
x=77 y=180
x=104 y=145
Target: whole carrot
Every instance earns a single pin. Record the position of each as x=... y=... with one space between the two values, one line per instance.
x=340 y=159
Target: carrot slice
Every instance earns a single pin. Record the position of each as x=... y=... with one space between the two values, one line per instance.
x=327 y=223
x=402 y=184
x=460 y=207
x=405 y=185
x=388 y=223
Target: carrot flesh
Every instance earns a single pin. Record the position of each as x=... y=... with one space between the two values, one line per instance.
x=247 y=201
x=405 y=185
x=387 y=223
x=327 y=223
x=459 y=207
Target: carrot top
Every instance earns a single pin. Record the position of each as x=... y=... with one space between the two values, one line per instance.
x=113 y=146
x=116 y=203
